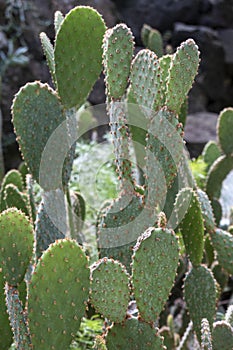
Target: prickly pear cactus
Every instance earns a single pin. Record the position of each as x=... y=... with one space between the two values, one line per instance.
x=118 y=45
x=222 y=336
x=200 y=294
x=37 y=112
x=182 y=71
x=110 y=291
x=216 y=174
x=57 y=295
x=153 y=274
x=12 y=177
x=17 y=318
x=79 y=44
x=225 y=123
x=16 y=245
x=206 y=342
x=49 y=54
x=207 y=211
x=144 y=85
x=222 y=242
x=190 y=221
x=210 y=153
x=133 y=334
x=14 y=198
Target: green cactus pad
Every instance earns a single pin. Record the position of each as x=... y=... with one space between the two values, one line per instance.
x=58 y=19
x=164 y=151
x=16 y=245
x=145 y=31
x=17 y=319
x=224 y=127
x=222 y=242
x=155 y=42
x=13 y=177
x=49 y=54
x=5 y=328
x=210 y=153
x=133 y=334
x=222 y=336
x=118 y=45
x=164 y=63
x=45 y=230
x=14 y=198
x=119 y=226
x=110 y=291
x=145 y=79
x=207 y=211
x=220 y=275
x=153 y=274
x=183 y=69
x=37 y=112
x=78 y=54
x=190 y=221
x=217 y=174
x=200 y=295
x=206 y=341
x=121 y=141
x=57 y=295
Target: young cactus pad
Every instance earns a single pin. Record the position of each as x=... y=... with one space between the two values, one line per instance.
x=155 y=261
x=200 y=295
x=217 y=174
x=78 y=54
x=225 y=125
x=183 y=69
x=222 y=336
x=16 y=245
x=190 y=221
x=145 y=77
x=133 y=334
x=57 y=295
x=118 y=48
x=110 y=292
x=37 y=112
x=222 y=242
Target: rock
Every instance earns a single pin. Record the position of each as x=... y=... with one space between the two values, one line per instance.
x=220 y=14
x=211 y=76
x=226 y=37
x=200 y=127
x=158 y=14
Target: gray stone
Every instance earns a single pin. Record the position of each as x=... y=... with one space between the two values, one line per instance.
x=158 y=14
x=200 y=127
x=226 y=37
x=220 y=15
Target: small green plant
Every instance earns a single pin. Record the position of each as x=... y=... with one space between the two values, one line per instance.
x=158 y=231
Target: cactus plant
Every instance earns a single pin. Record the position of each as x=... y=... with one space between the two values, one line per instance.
x=133 y=334
x=110 y=291
x=200 y=293
x=153 y=275
x=16 y=245
x=61 y=277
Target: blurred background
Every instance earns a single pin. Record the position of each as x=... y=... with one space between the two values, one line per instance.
x=208 y=22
